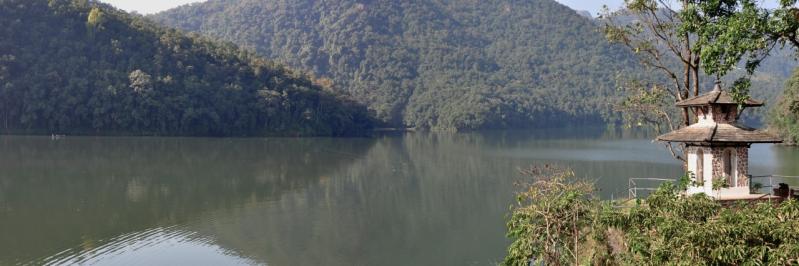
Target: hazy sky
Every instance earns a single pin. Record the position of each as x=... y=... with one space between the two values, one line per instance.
x=152 y=6
x=148 y=6
x=595 y=6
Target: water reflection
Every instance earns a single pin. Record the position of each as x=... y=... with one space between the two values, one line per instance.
x=76 y=190
x=157 y=246
x=414 y=199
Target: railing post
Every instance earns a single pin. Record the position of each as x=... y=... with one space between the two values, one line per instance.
x=771 y=184
x=631 y=189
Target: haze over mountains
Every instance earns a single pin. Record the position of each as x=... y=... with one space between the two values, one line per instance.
x=459 y=64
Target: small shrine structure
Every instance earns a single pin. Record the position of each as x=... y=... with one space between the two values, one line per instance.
x=717 y=145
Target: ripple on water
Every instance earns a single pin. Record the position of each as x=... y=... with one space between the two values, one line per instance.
x=156 y=246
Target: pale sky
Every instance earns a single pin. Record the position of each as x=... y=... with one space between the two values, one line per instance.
x=148 y=6
x=595 y=6
x=153 y=6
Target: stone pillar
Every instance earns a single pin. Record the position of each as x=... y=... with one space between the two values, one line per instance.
x=717 y=163
x=743 y=166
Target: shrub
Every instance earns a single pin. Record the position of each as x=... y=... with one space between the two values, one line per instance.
x=555 y=217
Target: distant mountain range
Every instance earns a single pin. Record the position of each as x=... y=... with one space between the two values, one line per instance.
x=442 y=64
x=81 y=67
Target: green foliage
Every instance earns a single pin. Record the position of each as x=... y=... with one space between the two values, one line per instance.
x=667 y=228
x=784 y=29
x=720 y=182
x=726 y=32
x=434 y=64
x=740 y=90
x=754 y=188
x=646 y=105
x=692 y=41
x=785 y=115
x=784 y=25
x=676 y=230
x=82 y=67
x=688 y=179
x=546 y=222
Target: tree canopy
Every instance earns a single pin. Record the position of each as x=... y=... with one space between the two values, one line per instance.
x=692 y=43
x=434 y=64
x=785 y=115
x=82 y=67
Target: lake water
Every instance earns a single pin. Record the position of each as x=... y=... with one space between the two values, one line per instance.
x=404 y=199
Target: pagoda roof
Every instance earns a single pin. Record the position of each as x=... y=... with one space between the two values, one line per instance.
x=717 y=96
x=719 y=133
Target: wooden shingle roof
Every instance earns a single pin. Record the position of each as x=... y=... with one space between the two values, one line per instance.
x=719 y=133
x=717 y=96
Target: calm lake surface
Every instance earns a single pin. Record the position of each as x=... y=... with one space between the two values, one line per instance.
x=405 y=199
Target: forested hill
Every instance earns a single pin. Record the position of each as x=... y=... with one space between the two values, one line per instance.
x=80 y=67
x=463 y=64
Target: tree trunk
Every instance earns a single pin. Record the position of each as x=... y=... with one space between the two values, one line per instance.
x=689 y=72
x=686 y=93
x=686 y=116
x=695 y=71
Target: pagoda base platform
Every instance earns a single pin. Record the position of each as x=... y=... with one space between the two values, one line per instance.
x=751 y=198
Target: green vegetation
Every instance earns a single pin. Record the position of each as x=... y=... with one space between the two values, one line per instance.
x=550 y=220
x=689 y=45
x=785 y=116
x=672 y=42
x=80 y=67
x=666 y=228
x=785 y=29
x=696 y=42
x=434 y=64
x=768 y=82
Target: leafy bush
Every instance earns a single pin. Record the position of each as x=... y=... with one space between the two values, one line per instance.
x=549 y=220
x=667 y=228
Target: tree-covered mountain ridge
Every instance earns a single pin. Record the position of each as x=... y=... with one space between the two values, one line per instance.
x=83 y=67
x=442 y=64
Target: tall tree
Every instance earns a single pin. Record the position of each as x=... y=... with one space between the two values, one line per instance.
x=784 y=26
x=685 y=41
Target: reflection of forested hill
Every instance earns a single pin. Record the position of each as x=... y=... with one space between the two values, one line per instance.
x=54 y=193
x=448 y=64
x=412 y=199
x=406 y=202
x=419 y=199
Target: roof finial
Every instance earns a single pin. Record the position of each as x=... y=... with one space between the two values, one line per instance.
x=717 y=88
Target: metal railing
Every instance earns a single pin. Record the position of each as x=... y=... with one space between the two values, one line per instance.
x=771 y=178
x=633 y=188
